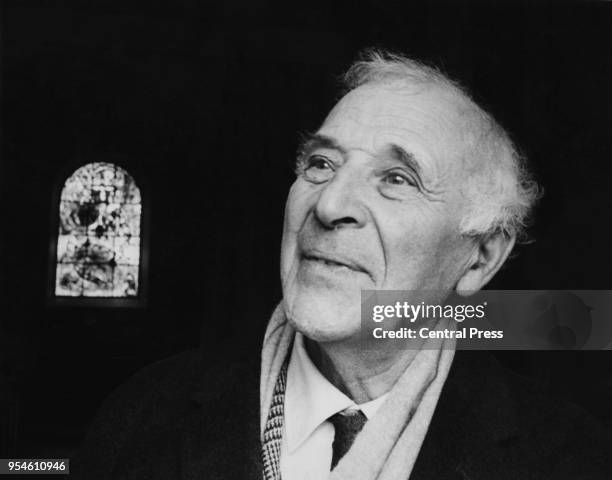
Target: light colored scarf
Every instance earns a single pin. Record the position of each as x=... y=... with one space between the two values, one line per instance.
x=389 y=443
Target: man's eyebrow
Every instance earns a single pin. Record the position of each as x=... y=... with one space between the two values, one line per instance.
x=311 y=141
x=408 y=159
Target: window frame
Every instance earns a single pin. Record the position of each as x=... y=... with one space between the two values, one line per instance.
x=141 y=299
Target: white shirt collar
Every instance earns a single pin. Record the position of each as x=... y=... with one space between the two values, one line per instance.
x=310 y=399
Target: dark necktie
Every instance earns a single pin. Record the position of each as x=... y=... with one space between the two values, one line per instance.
x=347 y=424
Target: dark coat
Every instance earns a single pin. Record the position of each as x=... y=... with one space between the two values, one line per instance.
x=183 y=418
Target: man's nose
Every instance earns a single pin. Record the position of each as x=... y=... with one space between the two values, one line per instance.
x=340 y=201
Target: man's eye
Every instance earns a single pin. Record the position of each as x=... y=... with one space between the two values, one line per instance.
x=317 y=169
x=399 y=179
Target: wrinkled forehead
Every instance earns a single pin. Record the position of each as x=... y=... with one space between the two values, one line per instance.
x=422 y=119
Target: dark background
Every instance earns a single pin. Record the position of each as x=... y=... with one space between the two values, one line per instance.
x=203 y=101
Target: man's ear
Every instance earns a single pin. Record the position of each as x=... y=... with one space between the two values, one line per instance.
x=490 y=252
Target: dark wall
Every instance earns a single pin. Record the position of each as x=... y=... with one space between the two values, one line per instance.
x=204 y=103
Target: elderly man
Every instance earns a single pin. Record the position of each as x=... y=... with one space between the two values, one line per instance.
x=407 y=185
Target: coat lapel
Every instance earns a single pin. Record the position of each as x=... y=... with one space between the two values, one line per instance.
x=474 y=416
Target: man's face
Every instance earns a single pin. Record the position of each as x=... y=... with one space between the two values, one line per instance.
x=376 y=205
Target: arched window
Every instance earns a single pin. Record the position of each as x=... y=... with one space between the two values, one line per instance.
x=99 y=238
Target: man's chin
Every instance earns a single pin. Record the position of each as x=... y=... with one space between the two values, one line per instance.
x=324 y=321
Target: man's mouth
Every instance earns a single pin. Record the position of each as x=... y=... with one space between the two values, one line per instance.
x=333 y=261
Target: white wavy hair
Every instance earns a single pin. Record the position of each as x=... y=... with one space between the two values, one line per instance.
x=499 y=186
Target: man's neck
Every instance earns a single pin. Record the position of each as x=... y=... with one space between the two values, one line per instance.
x=360 y=374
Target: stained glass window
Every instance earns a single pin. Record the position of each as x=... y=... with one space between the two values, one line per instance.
x=98 y=245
